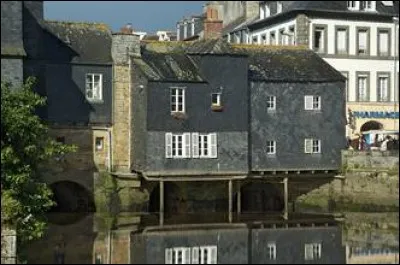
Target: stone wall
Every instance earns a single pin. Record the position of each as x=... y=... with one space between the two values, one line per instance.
x=11 y=70
x=8 y=246
x=370 y=183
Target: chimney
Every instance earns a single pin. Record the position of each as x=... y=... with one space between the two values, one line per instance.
x=127 y=29
x=212 y=23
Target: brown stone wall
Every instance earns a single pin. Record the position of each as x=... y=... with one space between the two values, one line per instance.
x=212 y=29
x=121 y=117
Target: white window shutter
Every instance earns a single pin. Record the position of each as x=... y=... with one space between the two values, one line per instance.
x=186 y=257
x=186 y=144
x=213 y=255
x=213 y=145
x=168 y=256
x=195 y=145
x=195 y=255
x=308 y=102
x=308 y=146
x=168 y=145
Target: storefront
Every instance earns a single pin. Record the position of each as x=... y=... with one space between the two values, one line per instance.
x=371 y=116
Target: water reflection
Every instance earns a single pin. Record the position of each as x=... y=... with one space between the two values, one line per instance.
x=210 y=238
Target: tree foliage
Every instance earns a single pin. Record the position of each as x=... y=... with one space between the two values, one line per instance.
x=25 y=145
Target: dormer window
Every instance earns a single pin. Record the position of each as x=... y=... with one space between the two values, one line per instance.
x=278 y=7
x=265 y=11
x=369 y=5
x=353 y=5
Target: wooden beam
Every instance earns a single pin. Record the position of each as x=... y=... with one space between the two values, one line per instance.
x=230 y=200
x=161 y=203
x=286 y=196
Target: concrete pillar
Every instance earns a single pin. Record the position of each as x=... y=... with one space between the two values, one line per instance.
x=161 y=202
x=230 y=200
x=286 y=196
x=239 y=197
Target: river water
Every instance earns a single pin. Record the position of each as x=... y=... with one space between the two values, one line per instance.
x=362 y=238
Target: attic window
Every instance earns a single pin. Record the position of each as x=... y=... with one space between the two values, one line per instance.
x=216 y=99
x=99 y=143
x=369 y=5
x=353 y=5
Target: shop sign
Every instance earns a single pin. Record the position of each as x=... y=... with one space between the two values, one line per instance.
x=376 y=114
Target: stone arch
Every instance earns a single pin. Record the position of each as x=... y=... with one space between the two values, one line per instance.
x=371 y=125
x=73 y=202
x=261 y=197
x=174 y=199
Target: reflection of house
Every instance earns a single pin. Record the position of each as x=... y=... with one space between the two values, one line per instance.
x=239 y=243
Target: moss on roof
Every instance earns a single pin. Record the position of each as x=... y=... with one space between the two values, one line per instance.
x=12 y=50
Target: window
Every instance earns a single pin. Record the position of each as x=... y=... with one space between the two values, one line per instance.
x=194 y=255
x=255 y=40
x=312 y=251
x=383 y=42
x=353 y=5
x=262 y=11
x=60 y=139
x=383 y=87
x=177 y=145
x=99 y=143
x=312 y=146
x=282 y=37
x=362 y=87
x=362 y=41
x=216 y=99
x=346 y=74
x=204 y=145
x=271 y=250
x=271 y=103
x=271 y=147
x=94 y=87
x=291 y=39
x=312 y=102
x=177 y=100
x=177 y=256
x=278 y=7
x=319 y=44
x=369 y=5
x=272 y=38
x=267 y=10
x=264 y=39
x=342 y=40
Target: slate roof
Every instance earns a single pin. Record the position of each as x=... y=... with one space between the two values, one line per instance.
x=90 y=42
x=168 y=67
x=176 y=61
x=287 y=64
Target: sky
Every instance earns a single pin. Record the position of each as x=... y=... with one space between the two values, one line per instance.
x=148 y=16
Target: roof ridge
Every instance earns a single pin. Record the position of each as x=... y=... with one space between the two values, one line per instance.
x=98 y=25
x=269 y=46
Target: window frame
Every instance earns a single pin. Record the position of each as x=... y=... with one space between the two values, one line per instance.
x=291 y=37
x=313 y=101
x=312 y=141
x=324 y=29
x=378 y=45
x=264 y=38
x=347 y=75
x=281 y=37
x=271 y=147
x=92 y=99
x=273 y=102
x=172 y=145
x=255 y=39
x=378 y=88
x=271 y=254
x=337 y=29
x=368 y=44
x=219 y=101
x=272 y=36
x=365 y=7
x=176 y=95
x=101 y=147
x=367 y=87
x=315 y=255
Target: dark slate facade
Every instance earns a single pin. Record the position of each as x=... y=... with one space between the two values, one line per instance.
x=59 y=55
x=242 y=245
x=290 y=75
x=202 y=72
x=245 y=75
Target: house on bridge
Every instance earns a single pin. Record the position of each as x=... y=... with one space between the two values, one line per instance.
x=219 y=127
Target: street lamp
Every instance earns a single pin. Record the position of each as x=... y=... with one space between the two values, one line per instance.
x=395 y=55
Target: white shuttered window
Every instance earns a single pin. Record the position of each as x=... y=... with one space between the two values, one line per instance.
x=383 y=43
x=191 y=145
x=342 y=41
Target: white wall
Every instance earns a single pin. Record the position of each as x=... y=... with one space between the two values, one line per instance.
x=371 y=65
x=286 y=25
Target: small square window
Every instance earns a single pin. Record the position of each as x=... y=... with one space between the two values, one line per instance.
x=99 y=143
x=271 y=103
x=271 y=147
x=216 y=99
x=60 y=139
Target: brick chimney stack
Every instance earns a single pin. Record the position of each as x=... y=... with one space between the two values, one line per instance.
x=212 y=23
x=127 y=29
